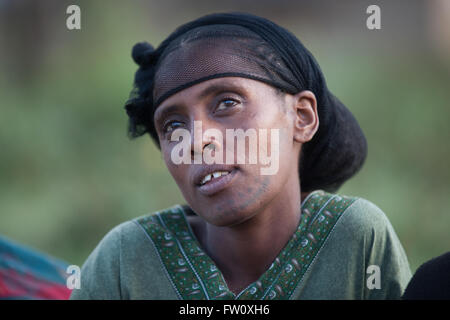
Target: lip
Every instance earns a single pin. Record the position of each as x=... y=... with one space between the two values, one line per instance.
x=217 y=184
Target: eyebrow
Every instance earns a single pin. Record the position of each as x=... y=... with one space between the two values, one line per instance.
x=208 y=91
x=219 y=87
x=167 y=111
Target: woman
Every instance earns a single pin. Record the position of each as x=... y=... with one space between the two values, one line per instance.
x=244 y=234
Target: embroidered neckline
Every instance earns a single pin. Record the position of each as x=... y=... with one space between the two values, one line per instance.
x=194 y=274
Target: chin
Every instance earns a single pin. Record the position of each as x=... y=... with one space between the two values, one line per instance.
x=229 y=213
x=234 y=205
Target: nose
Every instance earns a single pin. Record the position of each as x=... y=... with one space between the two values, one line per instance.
x=205 y=140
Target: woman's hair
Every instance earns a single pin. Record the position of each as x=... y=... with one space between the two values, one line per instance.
x=255 y=48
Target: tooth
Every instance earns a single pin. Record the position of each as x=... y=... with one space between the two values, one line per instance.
x=214 y=175
x=206 y=178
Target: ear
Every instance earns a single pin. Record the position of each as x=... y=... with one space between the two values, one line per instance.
x=306 y=119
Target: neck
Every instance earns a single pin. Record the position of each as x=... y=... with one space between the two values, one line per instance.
x=245 y=251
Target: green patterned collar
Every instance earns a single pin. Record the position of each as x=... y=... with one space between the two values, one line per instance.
x=194 y=275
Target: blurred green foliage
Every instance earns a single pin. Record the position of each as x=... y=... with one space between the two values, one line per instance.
x=69 y=173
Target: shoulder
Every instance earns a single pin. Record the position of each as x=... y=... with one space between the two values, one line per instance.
x=360 y=215
x=361 y=237
x=367 y=223
x=112 y=263
x=358 y=221
x=100 y=272
x=363 y=216
x=133 y=233
x=110 y=245
x=135 y=230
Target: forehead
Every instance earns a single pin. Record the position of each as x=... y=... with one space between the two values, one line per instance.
x=187 y=62
x=207 y=88
x=201 y=61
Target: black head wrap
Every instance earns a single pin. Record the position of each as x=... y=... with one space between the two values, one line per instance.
x=238 y=44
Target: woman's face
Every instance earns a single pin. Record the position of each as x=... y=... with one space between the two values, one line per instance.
x=237 y=191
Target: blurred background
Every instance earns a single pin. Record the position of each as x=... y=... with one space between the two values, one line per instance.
x=68 y=172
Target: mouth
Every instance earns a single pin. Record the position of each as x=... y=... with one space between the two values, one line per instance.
x=215 y=181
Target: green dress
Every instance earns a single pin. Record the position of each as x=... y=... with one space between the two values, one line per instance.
x=344 y=248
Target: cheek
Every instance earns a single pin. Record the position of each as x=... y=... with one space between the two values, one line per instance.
x=276 y=147
x=268 y=113
x=178 y=172
x=276 y=138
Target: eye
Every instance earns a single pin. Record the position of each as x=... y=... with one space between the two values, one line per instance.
x=170 y=126
x=226 y=103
